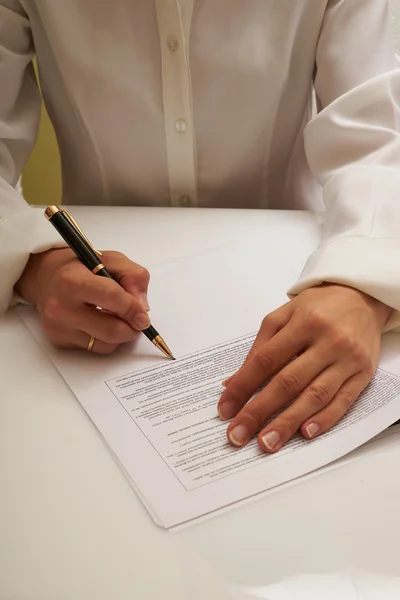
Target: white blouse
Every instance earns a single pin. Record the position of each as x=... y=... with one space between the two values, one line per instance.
x=209 y=103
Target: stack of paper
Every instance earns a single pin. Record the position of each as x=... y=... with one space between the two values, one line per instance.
x=159 y=418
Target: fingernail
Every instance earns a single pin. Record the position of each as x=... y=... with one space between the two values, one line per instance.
x=144 y=301
x=239 y=435
x=226 y=411
x=227 y=381
x=141 y=321
x=271 y=439
x=312 y=429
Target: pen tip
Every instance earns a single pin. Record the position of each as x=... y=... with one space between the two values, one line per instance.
x=173 y=357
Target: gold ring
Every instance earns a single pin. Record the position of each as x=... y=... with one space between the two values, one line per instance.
x=90 y=344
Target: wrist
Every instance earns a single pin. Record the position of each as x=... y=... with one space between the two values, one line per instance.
x=381 y=310
x=33 y=279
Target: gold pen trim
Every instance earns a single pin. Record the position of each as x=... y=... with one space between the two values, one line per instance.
x=98 y=268
x=161 y=345
x=52 y=210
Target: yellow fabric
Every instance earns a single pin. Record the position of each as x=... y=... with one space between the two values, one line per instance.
x=41 y=179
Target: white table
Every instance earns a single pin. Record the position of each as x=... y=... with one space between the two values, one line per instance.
x=71 y=528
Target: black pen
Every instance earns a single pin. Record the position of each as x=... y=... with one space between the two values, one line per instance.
x=68 y=228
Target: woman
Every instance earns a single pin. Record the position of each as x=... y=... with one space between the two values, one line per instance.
x=208 y=103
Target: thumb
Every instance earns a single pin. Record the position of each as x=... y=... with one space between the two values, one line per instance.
x=132 y=277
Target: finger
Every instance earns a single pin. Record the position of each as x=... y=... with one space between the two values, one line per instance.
x=82 y=339
x=86 y=288
x=78 y=340
x=266 y=361
x=315 y=397
x=343 y=400
x=104 y=326
x=256 y=346
x=97 y=323
x=273 y=323
x=132 y=277
x=285 y=387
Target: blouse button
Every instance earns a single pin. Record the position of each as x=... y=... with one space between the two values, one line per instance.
x=180 y=126
x=172 y=44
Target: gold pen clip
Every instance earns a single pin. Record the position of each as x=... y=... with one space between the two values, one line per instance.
x=79 y=230
x=52 y=210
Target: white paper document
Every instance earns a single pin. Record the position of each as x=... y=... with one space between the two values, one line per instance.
x=159 y=418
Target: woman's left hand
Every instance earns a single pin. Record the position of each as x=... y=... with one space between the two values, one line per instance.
x=321 y=350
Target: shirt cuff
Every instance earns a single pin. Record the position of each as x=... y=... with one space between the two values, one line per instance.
x=371 y=265
x=22 y=233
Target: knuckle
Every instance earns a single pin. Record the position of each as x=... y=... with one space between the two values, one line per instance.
x=250 y=354
x=239 y=389
x=266 y=322
x=344 y=343
x=341 y=341
x=117 y=333
x=51 y=309
x=363 y=357
x=319 y=395
x=131 y=310
x=67 y=278
x=311 y=316
x=288 y=383
x=136 y=274
x=112 y=295
x=370 y=368
x=271 y=323
x=256 y=419
x=143 y=274
x=112 y=254
x=288 y=423
x=264 y=360
x=347 y=398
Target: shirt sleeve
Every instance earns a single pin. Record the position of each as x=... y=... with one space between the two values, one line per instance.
x=353 y=149
x=23 y=230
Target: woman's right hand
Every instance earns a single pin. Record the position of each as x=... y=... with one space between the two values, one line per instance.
x=66 y=295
